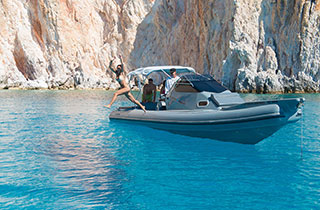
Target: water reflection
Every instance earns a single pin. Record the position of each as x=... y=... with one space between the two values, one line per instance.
x=60 y=147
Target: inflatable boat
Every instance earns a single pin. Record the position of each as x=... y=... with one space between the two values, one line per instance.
x=199 y=106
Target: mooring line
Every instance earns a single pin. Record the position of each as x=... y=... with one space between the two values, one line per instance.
x=301 y=134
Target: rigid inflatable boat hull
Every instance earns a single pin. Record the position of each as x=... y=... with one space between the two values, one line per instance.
x=246 y=126
x=242 y=132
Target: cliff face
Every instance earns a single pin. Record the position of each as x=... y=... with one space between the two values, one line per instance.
x=249 y=45
x=65 y=43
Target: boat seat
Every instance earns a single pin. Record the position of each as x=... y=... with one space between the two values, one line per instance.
x=226 y=99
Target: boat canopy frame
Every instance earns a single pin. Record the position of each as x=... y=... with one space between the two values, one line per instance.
x=157 y=73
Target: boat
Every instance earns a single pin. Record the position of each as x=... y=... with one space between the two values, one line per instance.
x=199 y=106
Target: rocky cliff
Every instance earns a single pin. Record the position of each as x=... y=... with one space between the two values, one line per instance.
x=65 y=43
x=249 y=45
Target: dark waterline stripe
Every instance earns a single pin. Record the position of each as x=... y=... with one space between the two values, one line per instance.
x=211 y=123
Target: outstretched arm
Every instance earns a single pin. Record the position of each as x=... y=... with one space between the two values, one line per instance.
x=110 y=66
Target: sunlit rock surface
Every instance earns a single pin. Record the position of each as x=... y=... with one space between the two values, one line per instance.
x=65 y=43
x=249 y=45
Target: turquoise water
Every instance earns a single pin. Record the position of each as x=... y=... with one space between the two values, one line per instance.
x=58 y=150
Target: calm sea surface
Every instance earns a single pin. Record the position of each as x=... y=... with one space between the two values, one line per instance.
x=58 y=150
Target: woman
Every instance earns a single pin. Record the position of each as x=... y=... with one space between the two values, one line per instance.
x=121 y=78
x=163 y=88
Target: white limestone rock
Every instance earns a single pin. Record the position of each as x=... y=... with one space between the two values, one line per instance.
x=252 y=45
x=65 y=44
x=249 y=45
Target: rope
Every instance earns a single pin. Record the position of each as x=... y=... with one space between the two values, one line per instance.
x=301 y=134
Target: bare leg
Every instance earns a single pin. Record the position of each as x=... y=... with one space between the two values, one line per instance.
x=116 y=94
x=131 y=98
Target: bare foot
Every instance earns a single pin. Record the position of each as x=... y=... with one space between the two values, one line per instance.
x=144 y=109
x=108 y=106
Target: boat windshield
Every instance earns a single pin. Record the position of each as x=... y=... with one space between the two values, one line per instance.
x=199 y=83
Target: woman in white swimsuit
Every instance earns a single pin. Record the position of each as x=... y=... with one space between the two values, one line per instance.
x=125 y=89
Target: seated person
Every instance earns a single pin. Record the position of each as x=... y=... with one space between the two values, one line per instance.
x=162 y=96
x=162 y=89
x=149 y=92
x=171 y=80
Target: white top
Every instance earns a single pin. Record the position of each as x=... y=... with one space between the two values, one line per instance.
x=158 y=73
x=170 y=82
x=147 y=70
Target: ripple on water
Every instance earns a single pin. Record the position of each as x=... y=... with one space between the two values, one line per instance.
x=58 y=149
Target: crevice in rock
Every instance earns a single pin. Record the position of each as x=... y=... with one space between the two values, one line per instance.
x=103 y=17
x=36 y=28
x=313 y=2
x=21 y=61
x=78 y=76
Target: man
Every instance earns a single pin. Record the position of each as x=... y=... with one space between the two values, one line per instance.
x=149 y=92
x=170 y=81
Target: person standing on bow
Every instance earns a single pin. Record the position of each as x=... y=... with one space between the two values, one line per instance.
x=125 y=89
x=171 y=80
